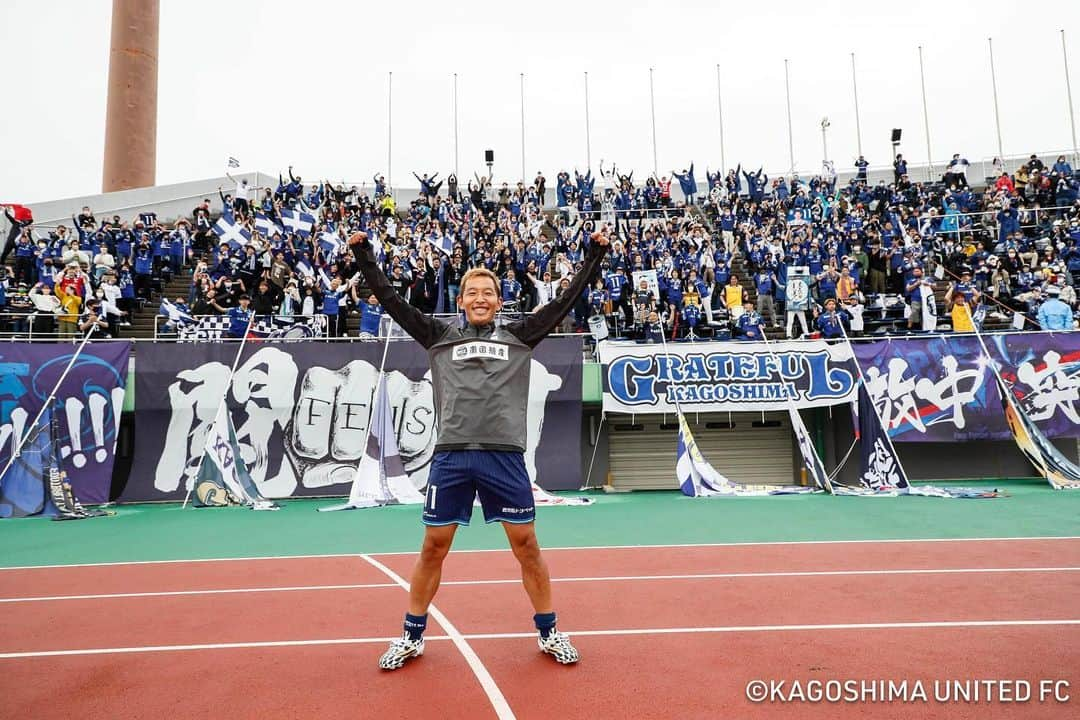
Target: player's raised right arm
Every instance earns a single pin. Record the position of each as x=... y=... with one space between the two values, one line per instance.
x=420 y=327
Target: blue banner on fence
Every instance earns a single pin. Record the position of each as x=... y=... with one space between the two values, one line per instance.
x=88 y=405
x=939 y=389
x=301 y=412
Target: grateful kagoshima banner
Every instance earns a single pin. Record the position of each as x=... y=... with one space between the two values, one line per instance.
x=301 y=410
x=940 y=388
x=88 y=406
x=725 y=376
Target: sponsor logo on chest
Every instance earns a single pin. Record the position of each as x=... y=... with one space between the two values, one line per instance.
x=481 y=349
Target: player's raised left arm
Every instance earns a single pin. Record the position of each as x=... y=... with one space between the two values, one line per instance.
x=536 y=327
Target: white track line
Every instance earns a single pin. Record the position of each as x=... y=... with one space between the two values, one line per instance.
x=498 y=702
x=208 y=646
x=596 y=578
x=171 y=593
x=546 y=549
x=946 y=624
x=796 y=628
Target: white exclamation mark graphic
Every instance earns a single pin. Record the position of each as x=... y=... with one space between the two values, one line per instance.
x=73 y=408
x=15 y=429
x=97 y=421
x=117 y=409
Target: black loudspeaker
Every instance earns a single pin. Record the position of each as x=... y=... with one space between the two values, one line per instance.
x=489 y=156
x=896 y=135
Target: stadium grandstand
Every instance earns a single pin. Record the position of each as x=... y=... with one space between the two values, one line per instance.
x=1006 y=241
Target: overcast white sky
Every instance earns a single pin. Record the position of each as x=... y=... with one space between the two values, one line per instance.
x=284 y=82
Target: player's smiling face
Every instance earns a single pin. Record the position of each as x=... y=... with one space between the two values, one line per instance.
x=480 y=300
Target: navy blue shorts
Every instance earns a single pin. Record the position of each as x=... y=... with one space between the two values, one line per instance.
x=499 y=478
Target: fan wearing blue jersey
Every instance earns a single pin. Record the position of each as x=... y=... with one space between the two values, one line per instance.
x=239 y=318
x=480 y=373
x=371 y=313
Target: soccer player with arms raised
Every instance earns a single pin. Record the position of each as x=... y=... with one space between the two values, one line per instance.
x=480 y=374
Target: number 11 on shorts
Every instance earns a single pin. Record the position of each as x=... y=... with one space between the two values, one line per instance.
x=431 y=490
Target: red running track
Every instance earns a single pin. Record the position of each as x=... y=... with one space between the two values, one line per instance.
x=634 y=675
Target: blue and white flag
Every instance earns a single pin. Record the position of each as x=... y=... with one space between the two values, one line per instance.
x=298 y=221
x=380 y=478
x=697 y=478
x=232 y=232
x=445 y=243
x=223 y=475
x=266 y=225
x=24 y=485
x=979 y=316
x=324 y=279
x=815 y=469
x=304 y=269
x=880 y=473
x=330 y=244
x=880 y=468
x=177 y=316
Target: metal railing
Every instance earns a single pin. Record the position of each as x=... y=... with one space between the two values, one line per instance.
x=1012 y=163
x=32 y=325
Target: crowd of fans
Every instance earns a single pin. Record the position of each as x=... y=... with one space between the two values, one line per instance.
x=716 y=260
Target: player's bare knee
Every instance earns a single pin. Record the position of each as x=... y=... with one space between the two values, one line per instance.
x=526 y=548
x=434 y=550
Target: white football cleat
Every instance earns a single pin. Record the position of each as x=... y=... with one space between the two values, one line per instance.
x=557 y=645
x=401 y=650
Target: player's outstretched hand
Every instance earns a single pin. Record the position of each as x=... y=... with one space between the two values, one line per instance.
x=601 y=237
x=358 y=238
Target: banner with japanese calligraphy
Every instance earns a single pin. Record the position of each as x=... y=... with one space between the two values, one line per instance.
x=725 y=376
x=301 y=413
x=939 y=389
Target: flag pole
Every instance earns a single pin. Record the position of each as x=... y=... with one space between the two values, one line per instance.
x=225 y=394
x=926 y=121
x=720 y=112
x=652 y=106
x=588 y=140
x=523 y=128
x=370 y=419
x=596 y=445
x=794 y=409
x=678 y=405
x=455 y=128
x=993 y=85
x=862 y=380
x=389 y=130
x=790 y=138
x=378 y=382
x=1068 y=93
x=45 y=405
x=855 y=93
